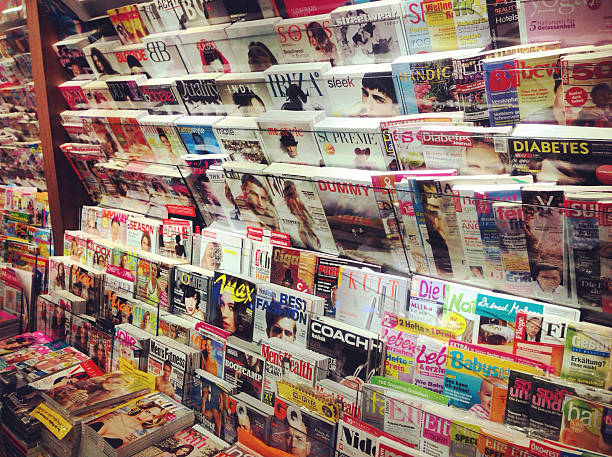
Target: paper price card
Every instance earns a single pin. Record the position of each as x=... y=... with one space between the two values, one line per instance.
x=52 y=420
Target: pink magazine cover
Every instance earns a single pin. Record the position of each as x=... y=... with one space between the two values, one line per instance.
x=573 y=23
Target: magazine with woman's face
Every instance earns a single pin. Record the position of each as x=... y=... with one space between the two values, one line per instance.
x=138 y=419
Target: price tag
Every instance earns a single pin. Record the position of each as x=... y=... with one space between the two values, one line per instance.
x=53 y=420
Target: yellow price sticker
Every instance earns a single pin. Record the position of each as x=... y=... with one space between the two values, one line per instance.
x=148 y=379
x=53 y=420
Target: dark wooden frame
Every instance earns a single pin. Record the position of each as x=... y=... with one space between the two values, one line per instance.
x=66 y=192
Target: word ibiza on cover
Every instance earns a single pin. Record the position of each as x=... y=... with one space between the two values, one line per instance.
x=166 y=353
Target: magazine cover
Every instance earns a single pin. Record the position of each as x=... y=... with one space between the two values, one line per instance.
x=154 y=280
x=546 y=408
x=471 y=385
x=176 y=238
x=377 y=292
x=541 y=338
x=100 y=347
x=439 y=16
x=370 y=33
x=143 y=234
x=293 y=268
x=248 y=422
x=255 y=44
x=353 y=215
x=164 y=55
x=501 y=82
x=200 y=94
x=239 y=137
x=171 y=366
x=164 y=412
x=175 y=327
x=503 y=23
x=244 y=94
x=544 y=233
x=583 y=83
x=102 y=60
x=118 y=301
x=207 y=50
x=401 y=346
x=281 y=313
x=308 y=40
x=232 y=304
x=161 y=98
x=81 y=372
x=131 y=344
x=85 y=394
x=594 y=433
x=202 y=187
x=295 y=431
x=128 y=24
x=586 y=359
x=575 y=26
x=191 y=291
x=250 y=202
x=244 y=369
x=301 y=214
x=163 y=138
x=424 y=83
x=472 y=25
x=145 y=317
x=210 y=402
x=352 y=143
x=85 y=283
x=223 y=250
x=298 y=87
x=197 y=134
x=531 y=154
x=211 y=342
x=353 y=350
x=362 y=91
x=518 y=401
x=22 y=341
x=195 y=440
x=291 y=139
x=59 y=279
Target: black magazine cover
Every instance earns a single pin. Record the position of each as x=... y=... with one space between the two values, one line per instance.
x=232 y=302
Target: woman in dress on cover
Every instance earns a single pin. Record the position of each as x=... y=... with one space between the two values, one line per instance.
x=90 y=391
x=119 y=428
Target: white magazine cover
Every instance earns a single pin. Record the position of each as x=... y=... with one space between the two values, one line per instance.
x=370 y=32
x=290 y=139
x=362 y=91
x=352 y=143
x=309 y=39
x=207 y=49
x=244 y=94
x=255 y=44
x=143 y=233
x=300 y=211
x=164 y=55
x=282 y=314
x=221 y=250
x=240 y=138
x=254 y=206
x=298 y=86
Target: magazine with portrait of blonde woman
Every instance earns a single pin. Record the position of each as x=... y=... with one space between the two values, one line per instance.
x=77 y=394
x=135 y=426
x=192 y=442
